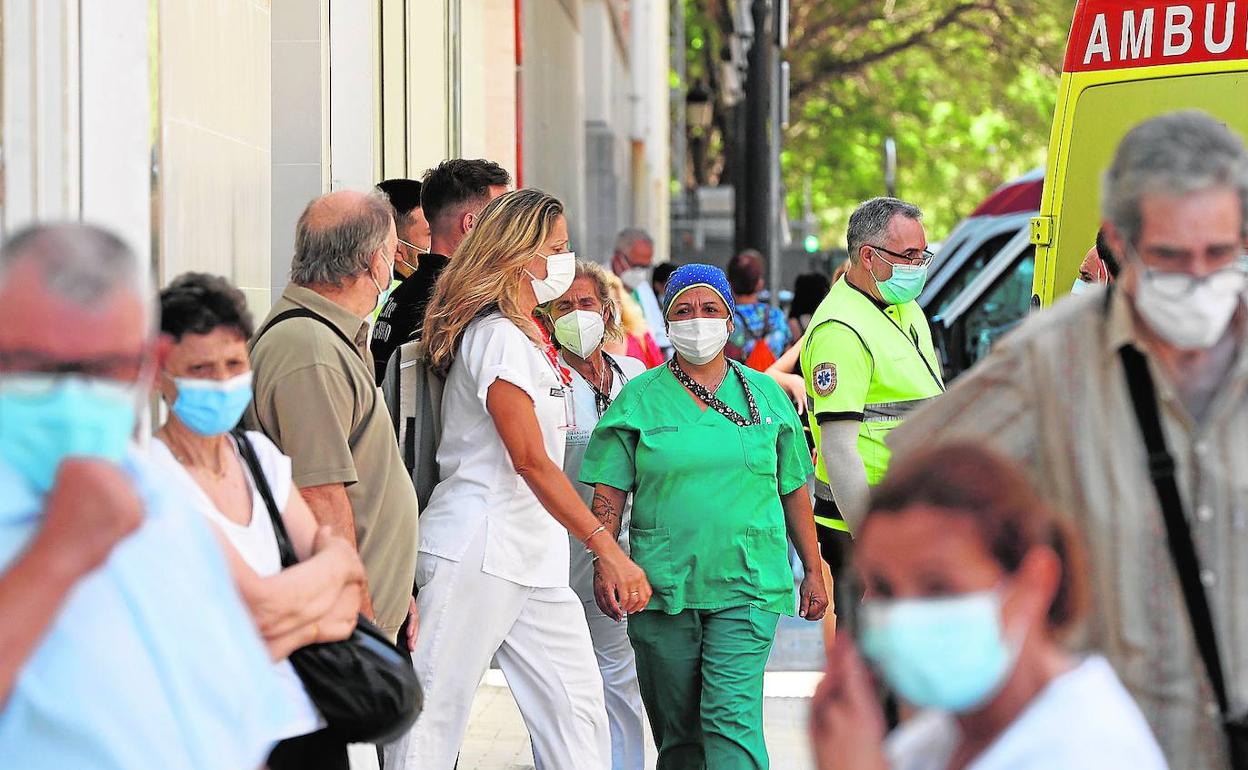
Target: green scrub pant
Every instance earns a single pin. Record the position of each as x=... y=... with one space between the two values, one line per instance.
x=701 y=676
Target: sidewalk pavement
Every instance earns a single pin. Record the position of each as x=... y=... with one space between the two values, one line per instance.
x=497 y=738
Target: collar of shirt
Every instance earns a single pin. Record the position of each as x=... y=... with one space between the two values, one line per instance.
x=354 y=327
x=882 y=305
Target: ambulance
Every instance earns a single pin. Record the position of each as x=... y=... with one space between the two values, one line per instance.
x=1126 y=61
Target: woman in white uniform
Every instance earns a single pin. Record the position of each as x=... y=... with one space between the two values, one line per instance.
x=493 y=567
x=971 y=583
x=582 y=320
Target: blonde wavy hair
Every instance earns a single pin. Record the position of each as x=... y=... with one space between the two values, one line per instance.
x=632 y=319
x=613 y=331
x=487 y=272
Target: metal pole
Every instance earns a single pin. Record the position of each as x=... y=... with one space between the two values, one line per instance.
x=755 y=194
x=680 y=128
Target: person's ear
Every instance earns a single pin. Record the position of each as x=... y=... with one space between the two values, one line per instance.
x=1034 y=587
x=468 y=221
x=156 y=380
x=1116 y=243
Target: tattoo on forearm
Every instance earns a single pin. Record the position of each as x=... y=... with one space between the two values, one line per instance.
x=606 y=513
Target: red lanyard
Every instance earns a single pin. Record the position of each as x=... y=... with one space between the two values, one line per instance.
x=552 y=356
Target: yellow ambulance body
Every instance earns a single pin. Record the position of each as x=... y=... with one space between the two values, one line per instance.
x=1126 y=61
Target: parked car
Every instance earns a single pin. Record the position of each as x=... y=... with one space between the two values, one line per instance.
x=972 y=295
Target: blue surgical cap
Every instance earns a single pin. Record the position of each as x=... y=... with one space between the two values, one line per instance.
x=687 y=277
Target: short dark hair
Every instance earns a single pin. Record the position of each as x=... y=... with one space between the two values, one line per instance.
x=403 y=194
x=199 y=303
x=452 y=183
x=808 y=291
x=745 y=271
x=1107 y=254
x=662 y=272
x=967 y=480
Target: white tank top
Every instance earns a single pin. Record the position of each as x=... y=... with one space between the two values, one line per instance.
x=257 y=544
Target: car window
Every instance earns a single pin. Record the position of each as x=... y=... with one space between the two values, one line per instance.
x=1000 y=309
x=967 y=273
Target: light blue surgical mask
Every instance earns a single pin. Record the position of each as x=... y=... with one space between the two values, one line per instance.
x=905 y=284
x=46 y=418
x=212 y=407
x=948 y=653
x=1080 y=286
x=383 y=294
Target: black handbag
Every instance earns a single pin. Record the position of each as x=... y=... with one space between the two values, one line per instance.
x=364 y=686
x=1162 y=469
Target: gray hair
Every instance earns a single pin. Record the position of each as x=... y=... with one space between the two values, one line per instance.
x=871 y=220
x=630 y=237
x=81 y=263
x=1175 y=154
x=332 y=247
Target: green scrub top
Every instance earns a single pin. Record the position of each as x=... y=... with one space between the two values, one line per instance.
x=708 y=526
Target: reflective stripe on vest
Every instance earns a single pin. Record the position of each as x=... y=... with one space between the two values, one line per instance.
x=895 y=410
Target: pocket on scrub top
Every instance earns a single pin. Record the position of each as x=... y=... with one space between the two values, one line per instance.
x=758 y=442
x=652 y=550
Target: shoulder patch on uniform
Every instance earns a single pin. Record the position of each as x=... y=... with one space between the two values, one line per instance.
x=824 y=379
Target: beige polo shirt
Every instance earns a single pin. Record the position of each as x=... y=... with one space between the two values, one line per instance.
x=318 y=400
x=1053 y=395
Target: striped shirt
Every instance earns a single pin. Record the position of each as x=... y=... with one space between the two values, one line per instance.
x=1053 y=396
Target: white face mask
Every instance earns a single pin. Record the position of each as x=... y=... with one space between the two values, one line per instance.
x=1080 y=286
x=560 y=270
x=698 y=340
x=580 y=332
x=1188 y=313
x=634 y=277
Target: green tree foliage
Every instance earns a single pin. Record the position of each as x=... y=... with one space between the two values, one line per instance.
x=966 y=87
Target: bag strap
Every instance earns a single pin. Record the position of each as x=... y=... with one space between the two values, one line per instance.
x=303 y=312
x=1162 y=469
x=261 y=483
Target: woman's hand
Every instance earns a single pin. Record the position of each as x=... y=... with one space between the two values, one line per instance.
x=794 y=386
x=620 y=586
x=813 y=603
x=338 y=623
x=846 y=723
x=338 y=553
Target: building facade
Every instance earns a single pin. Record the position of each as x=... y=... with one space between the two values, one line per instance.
x=199 y=129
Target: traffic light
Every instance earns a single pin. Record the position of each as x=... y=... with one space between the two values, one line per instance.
x=811 y=243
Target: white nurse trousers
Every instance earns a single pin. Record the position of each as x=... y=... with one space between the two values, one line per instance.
x=541 y=641
x=625 y=713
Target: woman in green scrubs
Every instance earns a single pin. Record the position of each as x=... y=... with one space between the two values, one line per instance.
x=714 y=456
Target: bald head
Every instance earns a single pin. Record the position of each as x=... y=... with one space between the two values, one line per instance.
x=338 y=237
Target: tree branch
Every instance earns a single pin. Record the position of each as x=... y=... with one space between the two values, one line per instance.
x=831 y=66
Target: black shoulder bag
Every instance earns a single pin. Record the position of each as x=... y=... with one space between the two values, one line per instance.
x=364 y=686
x=1162 y=469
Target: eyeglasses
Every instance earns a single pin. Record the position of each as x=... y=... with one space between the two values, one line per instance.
x=1176 y=285
x=120 y=368
x=914 y=257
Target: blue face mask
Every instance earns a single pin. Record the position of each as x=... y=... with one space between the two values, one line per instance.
x=212 y=407
x=905 y=285
x=45 y=419
x=947 y=654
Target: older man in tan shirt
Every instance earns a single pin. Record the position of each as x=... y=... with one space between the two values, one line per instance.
x=1054 y=396
x=316 y=396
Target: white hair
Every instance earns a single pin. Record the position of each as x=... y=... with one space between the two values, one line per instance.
x=1175 y=154
x=80 y=263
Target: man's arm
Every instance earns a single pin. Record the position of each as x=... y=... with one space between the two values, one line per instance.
x=847 y=474
x=331 y=508
x=91 y=508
